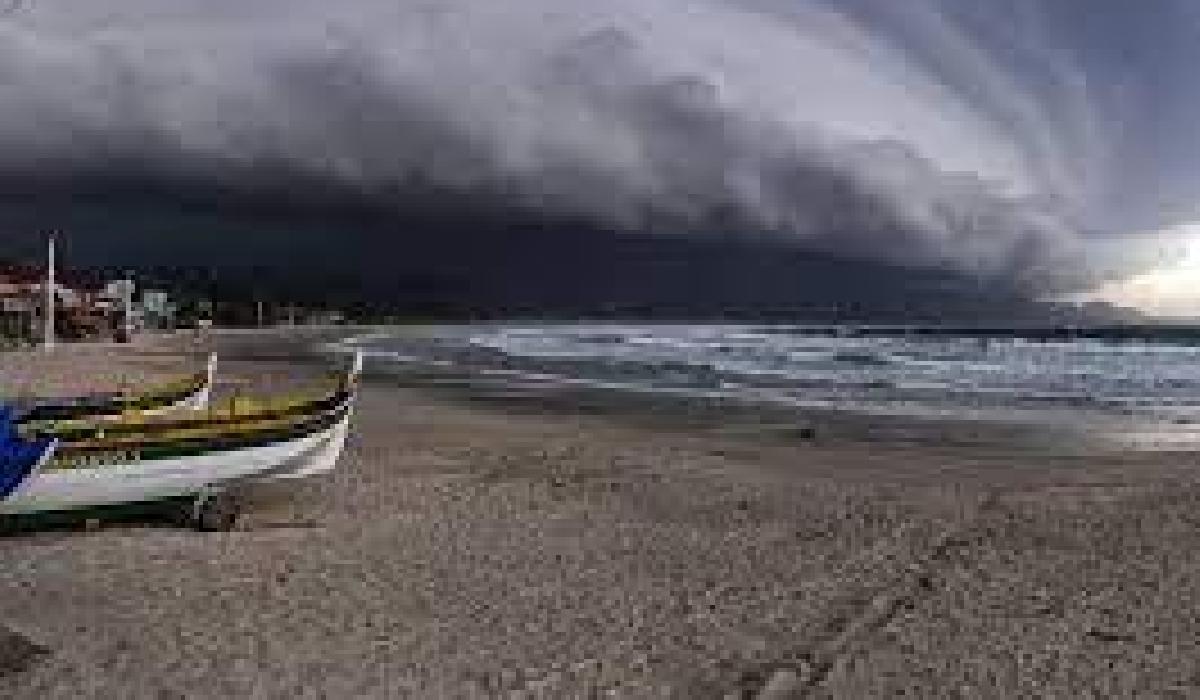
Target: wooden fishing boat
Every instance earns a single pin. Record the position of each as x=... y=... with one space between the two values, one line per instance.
x=190 y=460
x=189 y=393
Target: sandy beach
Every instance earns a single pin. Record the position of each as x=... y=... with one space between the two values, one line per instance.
x=477 y=549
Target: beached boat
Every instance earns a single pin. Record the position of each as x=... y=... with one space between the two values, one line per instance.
x=189 y=393
x=192 y=460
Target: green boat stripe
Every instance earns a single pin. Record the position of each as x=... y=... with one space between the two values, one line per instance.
x=54 y=515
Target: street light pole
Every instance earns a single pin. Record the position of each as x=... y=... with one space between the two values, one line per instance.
x=128 y=304
x=48 y=329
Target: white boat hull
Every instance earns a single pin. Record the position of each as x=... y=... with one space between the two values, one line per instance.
x=169 y=478
x=325 y=457
x=196 y=402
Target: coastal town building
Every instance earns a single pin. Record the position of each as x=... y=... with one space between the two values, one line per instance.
x=86 y=306
x=156 y=311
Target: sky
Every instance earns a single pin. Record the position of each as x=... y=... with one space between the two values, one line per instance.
x=1038 y=147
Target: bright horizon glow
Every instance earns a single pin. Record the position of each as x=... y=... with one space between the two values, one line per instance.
x=1168 y=291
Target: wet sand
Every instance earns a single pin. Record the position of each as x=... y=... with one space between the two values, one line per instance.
x=473 y=549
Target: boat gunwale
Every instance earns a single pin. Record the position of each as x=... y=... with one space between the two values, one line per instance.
x=81 y=408
x=139 y=452
x=211 y=418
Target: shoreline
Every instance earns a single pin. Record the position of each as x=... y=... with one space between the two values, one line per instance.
x=466 y=549
x=1026 y=432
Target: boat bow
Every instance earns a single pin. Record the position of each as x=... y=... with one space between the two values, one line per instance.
x=19 y=458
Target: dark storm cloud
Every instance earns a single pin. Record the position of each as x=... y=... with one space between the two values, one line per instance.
x=910 y=136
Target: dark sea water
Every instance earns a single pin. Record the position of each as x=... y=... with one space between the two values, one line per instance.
x=1143 y=391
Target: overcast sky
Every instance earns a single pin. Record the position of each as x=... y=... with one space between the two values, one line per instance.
x=1028 y=143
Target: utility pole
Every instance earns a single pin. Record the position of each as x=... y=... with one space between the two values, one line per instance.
x=48 y=330
x=127 y=299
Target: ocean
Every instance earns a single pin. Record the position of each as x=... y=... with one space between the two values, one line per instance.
x=1139 y=390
